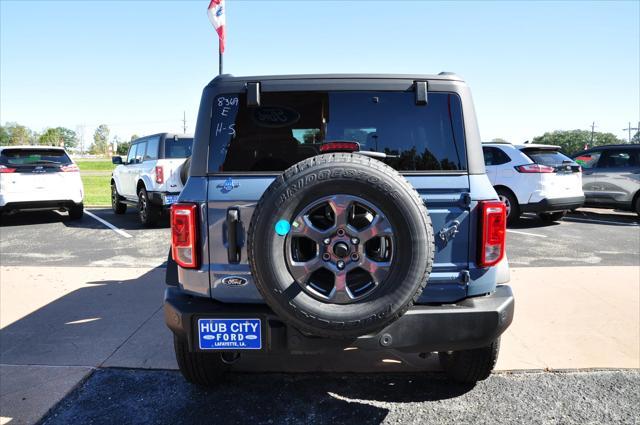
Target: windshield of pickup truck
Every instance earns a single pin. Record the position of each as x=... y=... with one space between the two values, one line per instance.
x=178 y=148
x=289 y=127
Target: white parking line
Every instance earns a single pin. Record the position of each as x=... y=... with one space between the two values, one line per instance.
x=109 y=225
x=526 y=233
x=588 y=220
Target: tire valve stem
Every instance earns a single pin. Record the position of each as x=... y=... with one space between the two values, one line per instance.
x=340 y=265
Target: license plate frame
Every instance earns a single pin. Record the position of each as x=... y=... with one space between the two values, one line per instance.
x=229 y=333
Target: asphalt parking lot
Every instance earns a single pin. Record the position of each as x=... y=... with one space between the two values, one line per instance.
x=82 y=332
x=48 y=238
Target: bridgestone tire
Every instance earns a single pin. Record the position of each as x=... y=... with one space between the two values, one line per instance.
x=184 y=171
x=205 y=369
x=470 y=366
x=345 y=174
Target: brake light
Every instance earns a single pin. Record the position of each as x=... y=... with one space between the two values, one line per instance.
x=5 y=169
x=493 y=229
x=183 y=235
x=159 y=174
x=69 y=168
x=534 y=168
x=340 y=147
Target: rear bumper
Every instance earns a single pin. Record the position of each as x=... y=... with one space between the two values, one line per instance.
x=554 y=204
x=158 y=198
x=38 y=205
x=471 y=323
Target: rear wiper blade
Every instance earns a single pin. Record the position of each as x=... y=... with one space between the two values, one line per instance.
x=378 y=155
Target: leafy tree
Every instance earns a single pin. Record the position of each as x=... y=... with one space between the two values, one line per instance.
x=5 y=137
x=51 y=137
x=18 y=134
x=123 y=148
x=636 y=137
x=133 y=137
x=573 y=141
x=101 y=140
x=69 y=137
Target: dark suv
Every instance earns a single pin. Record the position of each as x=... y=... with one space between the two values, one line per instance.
x=611 y=176
x=328 y=212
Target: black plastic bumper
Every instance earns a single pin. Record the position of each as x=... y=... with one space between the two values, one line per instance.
x=38 y=205
x=558 y=204
x=155 y=198
x=471 y=323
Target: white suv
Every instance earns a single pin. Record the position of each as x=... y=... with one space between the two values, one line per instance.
x=150 y=177
x=534 y=178
x=39 y=178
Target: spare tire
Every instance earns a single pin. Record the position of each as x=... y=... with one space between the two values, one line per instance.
x=340 y=245
x=184 y=170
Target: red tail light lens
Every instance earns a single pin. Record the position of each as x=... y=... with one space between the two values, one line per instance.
x=340 y=147
x=183 y=235
x=69 y=168
x=493 y=229
x=534 y=168
x=5 y=169
x=159 y=174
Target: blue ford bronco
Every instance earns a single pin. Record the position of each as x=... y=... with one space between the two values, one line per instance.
x=324 y=212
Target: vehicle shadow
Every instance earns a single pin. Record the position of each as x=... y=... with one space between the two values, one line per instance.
x=531 y=221
x=112 y=318
x=606 y=216
x=24 y=218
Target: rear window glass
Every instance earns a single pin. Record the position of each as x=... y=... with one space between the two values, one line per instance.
x=34 y=157
x=289 y=127
x=546 y=157
x=178 y=148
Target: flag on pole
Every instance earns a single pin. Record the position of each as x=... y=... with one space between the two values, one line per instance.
x=217 y=17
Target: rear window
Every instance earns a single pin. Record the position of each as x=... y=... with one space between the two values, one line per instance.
x=19 y=157
x=178 y=148
x=546 y=157
x=289 y=127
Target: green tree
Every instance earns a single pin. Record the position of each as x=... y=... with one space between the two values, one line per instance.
x=100 y=140
x=133 y=137
x=69 y=137
x=5 y=137
x=50 y=137
x=19 y=134
x=123 y=148
x=636 y=137
x=573 y=141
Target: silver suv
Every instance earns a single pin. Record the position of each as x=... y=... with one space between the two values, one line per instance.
x=611 y=176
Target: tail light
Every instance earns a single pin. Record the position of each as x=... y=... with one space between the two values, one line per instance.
x=534 y=168
x=159 y=174
x=183 y=235
x=5 y=169
x=69 y=168
x=340 y=147
x=493 y=229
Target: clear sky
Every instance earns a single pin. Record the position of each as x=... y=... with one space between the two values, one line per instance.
x=137 y=65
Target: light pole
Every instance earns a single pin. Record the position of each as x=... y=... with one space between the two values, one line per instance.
x=629 y=128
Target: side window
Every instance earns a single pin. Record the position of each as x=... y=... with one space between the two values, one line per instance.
x=132 y=154
x=619 y=158
x=152 y=149
x=588 y=160
x=142 y=146
x=494 y=156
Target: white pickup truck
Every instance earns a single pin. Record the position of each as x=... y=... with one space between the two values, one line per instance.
x=150 y=177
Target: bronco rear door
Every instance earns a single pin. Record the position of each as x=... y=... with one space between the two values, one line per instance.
x=253 y=140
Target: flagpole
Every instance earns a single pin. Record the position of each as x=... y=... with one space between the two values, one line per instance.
x=219 y=58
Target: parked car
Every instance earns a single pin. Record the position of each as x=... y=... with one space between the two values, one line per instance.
x=40 y=178
x=611 y=176
x=329 y=212
x=534 y=178
x=149 y=178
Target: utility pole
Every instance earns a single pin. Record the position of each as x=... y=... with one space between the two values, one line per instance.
x=593 y=128
x=629 y=128
x=184 y=122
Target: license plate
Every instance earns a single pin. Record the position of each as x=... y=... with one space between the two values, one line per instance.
x=170 y=199
x=229 y=334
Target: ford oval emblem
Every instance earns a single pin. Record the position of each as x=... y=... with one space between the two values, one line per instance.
x=275 y=116
x=234 y=281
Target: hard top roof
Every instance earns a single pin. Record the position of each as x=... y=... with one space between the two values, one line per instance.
x=446 y=76
x=30 y=147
